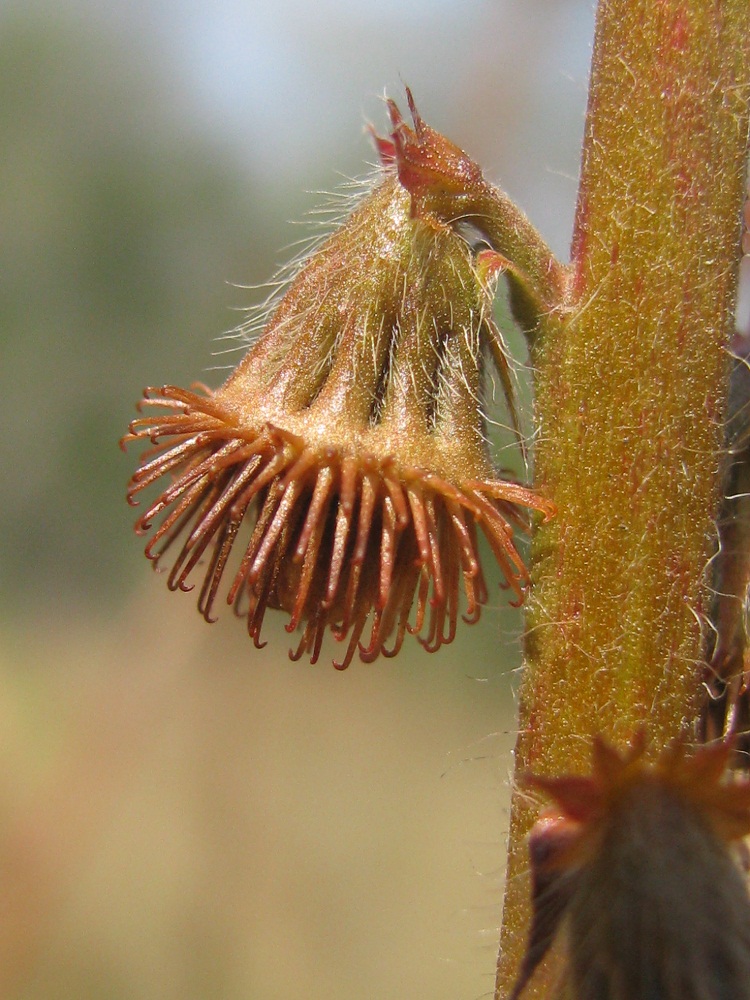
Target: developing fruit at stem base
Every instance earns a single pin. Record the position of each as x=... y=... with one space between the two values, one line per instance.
x=633 y=866
x=350 y=441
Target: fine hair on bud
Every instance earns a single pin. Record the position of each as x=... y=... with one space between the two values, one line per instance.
x=341 y=474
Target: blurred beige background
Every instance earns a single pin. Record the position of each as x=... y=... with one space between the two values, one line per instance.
x=182 y=816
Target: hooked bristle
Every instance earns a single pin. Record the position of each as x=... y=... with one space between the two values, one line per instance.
x=365 y=549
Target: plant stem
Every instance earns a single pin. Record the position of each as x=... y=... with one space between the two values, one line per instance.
x=631 y=391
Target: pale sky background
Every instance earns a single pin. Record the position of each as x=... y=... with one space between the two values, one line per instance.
x=285 y=83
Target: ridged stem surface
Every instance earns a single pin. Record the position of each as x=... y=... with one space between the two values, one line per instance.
x=631 y=389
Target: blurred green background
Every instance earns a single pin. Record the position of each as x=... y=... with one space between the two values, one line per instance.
x=182 y=816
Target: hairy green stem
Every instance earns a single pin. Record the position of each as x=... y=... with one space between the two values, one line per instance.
x=631 y=389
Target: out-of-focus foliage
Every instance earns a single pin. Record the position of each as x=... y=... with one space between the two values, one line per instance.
x=119 y=230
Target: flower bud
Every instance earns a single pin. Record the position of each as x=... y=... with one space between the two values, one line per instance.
x=349 y=444
x=634 y=861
